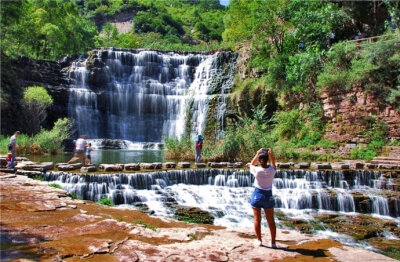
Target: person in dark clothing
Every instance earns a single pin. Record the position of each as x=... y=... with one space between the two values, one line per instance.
x=12 y=146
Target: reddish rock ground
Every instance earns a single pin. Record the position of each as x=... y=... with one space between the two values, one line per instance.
x=42 y=223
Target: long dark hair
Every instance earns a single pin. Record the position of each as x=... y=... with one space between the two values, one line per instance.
x=265 y=157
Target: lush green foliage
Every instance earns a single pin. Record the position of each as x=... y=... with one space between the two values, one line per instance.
x=36 y=102
x=375 y=68
x=166 y=25
x=46 y=141
x=44 y=29
x=106 y=201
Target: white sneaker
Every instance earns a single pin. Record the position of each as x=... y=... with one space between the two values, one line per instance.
x=273 y=246
x=257 y=243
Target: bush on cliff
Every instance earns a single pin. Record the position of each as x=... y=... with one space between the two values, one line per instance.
x=36 y=101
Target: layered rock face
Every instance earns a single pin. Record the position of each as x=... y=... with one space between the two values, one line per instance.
x=352 y=113
x=52 y=76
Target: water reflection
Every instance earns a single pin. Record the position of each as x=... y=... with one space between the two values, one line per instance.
x=108 y=156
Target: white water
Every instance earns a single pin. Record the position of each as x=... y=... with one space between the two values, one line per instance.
x=225 y=193
x=140 y=96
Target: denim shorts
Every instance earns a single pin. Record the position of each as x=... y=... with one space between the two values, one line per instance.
x=262 y=199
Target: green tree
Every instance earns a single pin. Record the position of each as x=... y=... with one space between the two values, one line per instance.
x=36 y=102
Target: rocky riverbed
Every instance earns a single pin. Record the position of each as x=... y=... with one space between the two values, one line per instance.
x=43 y=223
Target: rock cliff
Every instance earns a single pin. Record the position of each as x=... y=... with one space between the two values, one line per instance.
x=354 y=112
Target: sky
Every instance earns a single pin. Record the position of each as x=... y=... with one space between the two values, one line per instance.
x=224 y=2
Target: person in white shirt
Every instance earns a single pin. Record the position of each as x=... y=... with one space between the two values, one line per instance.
x=80 y=149
x=262 y=195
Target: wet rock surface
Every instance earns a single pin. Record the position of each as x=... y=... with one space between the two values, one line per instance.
x=71 y=230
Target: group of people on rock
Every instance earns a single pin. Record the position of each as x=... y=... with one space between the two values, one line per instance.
x=263 y=173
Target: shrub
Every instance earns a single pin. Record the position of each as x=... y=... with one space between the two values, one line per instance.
x=55 y=185
x=36 y=102
x=106 y=201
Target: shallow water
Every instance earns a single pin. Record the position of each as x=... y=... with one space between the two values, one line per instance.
x=108 y=156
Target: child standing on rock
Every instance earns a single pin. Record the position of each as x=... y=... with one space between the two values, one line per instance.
x=89 y=149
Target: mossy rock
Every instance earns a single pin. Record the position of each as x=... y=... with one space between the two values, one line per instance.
x=193 y=215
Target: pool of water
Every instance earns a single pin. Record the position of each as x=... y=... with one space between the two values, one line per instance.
x=108 y=156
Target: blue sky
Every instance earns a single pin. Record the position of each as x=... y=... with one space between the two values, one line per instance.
x=224 y=2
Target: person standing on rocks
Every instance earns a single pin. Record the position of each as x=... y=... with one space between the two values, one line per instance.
x=199 y=146
x=89 y=149
x=80 y=148
x=262 y=195
x=12 y=146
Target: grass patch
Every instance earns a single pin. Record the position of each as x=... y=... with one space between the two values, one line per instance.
x=55 y=185
x=38 y=177
x=146 y=225
x=106 y=201
x=74 y=196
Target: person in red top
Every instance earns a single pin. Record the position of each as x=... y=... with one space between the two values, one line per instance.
x=262 y=195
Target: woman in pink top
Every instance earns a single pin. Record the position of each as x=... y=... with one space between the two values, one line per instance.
x=262 y=195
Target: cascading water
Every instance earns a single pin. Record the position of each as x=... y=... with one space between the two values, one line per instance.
x=141 y=95
x=225 y=193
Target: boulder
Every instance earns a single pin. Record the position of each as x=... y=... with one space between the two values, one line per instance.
x=7 y=170
x=69 y=167
x=3 y=161
x=340 y=166
x=238 y=164
x=157 y=165
x=169 y=165
x=184 y=164
x=302 y=165
x=112 y=167
x=28 y=165
x=382 y=166
x=132 y=167
x=357 y=165
x=370 y=166
x=147 y=165
x=224 y=164
x=321 y=166
x=215 y=165
x=283 y=165
x=200 y=165
x=86 y=169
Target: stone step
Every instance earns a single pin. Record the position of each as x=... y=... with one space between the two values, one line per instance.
x=386 y=162
x=387 y=158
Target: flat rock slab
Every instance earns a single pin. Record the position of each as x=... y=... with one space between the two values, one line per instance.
x=215 y=165
x=29 y=173
x=111 y=167
x=303 y=165
x=86 y=169
x=283 y=165
x=340 y=166
x=132 y=167
x=321 y=166
x=67 y=229
x=200 y=165
x=69 y=167
x=169 y=165
x=184 y=164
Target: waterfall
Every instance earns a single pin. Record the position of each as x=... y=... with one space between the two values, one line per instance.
x=225 y=193
x=142 y=95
